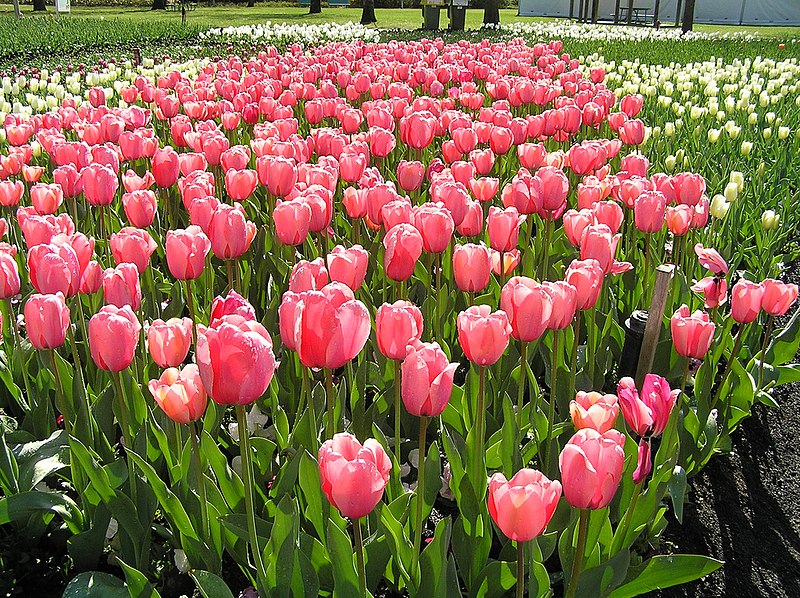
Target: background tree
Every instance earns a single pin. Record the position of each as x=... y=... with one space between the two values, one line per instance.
x=159 y=5
x=368 y=13
x=688 y=16
x=16 y=9
x=315 y=7
x=39 y=6
x=491 y=12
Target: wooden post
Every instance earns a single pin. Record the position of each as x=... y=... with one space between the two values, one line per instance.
x=687 y=23
x=16 y=9
x=655 y=316
x=616 y=12
x=630 y=12
x=678 y=13
x=655 y=13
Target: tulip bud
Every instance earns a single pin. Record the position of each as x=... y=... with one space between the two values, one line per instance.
x=669 y=163
x=719 y=207
x=770 y=220
x=747 y=147
x=731 y=192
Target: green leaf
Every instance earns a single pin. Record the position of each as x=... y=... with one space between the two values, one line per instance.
x=677 y=491
x=20 y=507
x=344 y=571
x=316 y=508
x=138 y=585
x=661 y=572
x=497 y=578
x=210 y=585
x=596 y=581
x=398 y=541
x=41 y=458
x=94 y=584
x=786 y=344
x=433 y=562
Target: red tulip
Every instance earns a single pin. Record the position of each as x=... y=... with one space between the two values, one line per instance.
x=235 y=358
x=348 y=265
x=692 y=333
x=46 y=320
x=591 y=467
x=483 y=335
x=403 y=245
x=397 y=325
x=427 y=379
x=523 y=506
x=113 y=336
x=134 y=246
x=353 y=476
x=169 y=342
x=180 y=393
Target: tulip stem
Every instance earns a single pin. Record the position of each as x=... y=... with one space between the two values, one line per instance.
x=646 y=279
x=190 y=305
x=580 y=549
x=591 y=323
x=523 y=379
x=618 y=542
x=551 y=410
x=247 y=472
x=362 y=574
x=397 y=401
x=548 y=229
x=229 y=265
x=126 y=430
x=60 y=393
x=737 y=346
x=201 y=482
x=764 y=343
x=576 y=329
x=330 y=431
x=520 y=569
x=478 y=454
x=12 y=322
x=423 y=428
x=78 y=369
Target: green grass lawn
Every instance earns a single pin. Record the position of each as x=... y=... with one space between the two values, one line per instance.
x=387 y=18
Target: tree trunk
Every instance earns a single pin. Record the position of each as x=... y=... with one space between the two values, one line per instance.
x=595 y=10
x=630 y=12
x=368 y=13
x=16 y=9
x=251 y=3
x=39 y=6
x=315 y=7
x=159 y=5
x=688 y=16
x=491 y=12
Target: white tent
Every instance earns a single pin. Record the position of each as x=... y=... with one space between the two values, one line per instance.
x=729 y=12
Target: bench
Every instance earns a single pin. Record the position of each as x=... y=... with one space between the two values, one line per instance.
x=331 y=3
x=178 y=6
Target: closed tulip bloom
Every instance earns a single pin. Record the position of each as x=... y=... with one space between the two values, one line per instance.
x=472 y=224
x=180 y=394
x=427 y=379
x=523 y=506
x=692 y=333
x=609 y=213
x=240 y=184
x=529 y=307
x=644 y=462
x=46 y=320
x=113 y=336
x=308 y=276
x=186 y=251
x=778 y=296
x=54 y=268
x=714 y=290
x=292 y=221
x=134 y=246
x=91 y=279
x=591 y=467
x=436 y=226
x=331 y=327
x=565 y=303
x=587 y=278
x=353 y=476
x=140 y=207
x=647 y=413
x=403 y=245
x=235 y=359
x=166 y=167
x=410 y=175
x=649 y=211
x=169 y=342
x=46 y=198
x=472 y=267
x=711 y=259
x=575 y=222
x=100 y=184
x=483 y=335
x=553 y=187
x=277 y=173
x=9 y=276
x=232 y=304
x=746 y=297
x=594 y=410
x=679 y=219
x=121 y=286
x=396 y=325
x=503 y=228
x=503 y=264
x=230 y=232
x=11 y=193
x=598 y=242
x=348 y=265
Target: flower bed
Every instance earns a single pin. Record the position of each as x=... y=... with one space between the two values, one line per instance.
x=410 y=267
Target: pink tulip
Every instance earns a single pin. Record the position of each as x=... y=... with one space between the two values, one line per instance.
x=140 y=207
x=649 y=211
x=240 y=184
x=523 y=506
x=180 y=394
x=113 y=336
x=134 y=246
x=647 y=414
x=591 y=467
x=644 y=462
x=169 y=342
x=46 y=320
x=711 y=259
x=594 y=410
x=348 y=265
x=505 y=263
x=778 y=296
x=427 y=379
x=397 y=325
x=746 y=297
x=403 y=245
x=91 y=279
x=121 y=286
x=410 y=175
x=435 y=224
x=529 y=307
x=9 y=276
x=503 y=228
x=472 y=267
x=235 y=358
x=575 y=222
x=54 y=268
x=11 y=193
x=230 y=232
x=308 y=276
x=46 y=199
x=598 y=242
x=483 y=335
x=331 y=327
x=99 y=183
x=353 y=476
x=692 y=333
x=565 y=302
x=186 y=251
x=714 y=290
x=587 y=278
x=232 y=304
x=292 y=221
